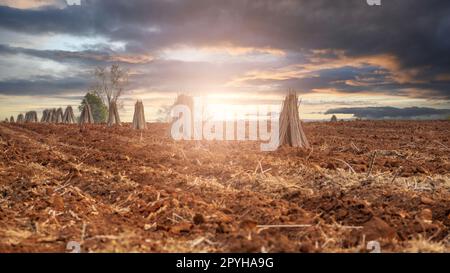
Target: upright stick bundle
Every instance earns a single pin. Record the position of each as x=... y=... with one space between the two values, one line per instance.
x=291 y=130
x=113 y=116
x=20 y=118
x=31 y=117
x=86 y=115
x=44 y=115
x=53 y=117
x=59 y=115
x=68 y=117
x=139 y=117
x=187 y=101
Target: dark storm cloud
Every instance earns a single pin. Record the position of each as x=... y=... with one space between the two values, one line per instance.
x=72 y=20
x=391 y=112
x=87 y=57
x=43 y=86
x=416 y=32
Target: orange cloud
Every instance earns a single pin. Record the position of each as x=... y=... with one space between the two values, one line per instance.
x=443 y=77
x=319 y=62
x=131 y=59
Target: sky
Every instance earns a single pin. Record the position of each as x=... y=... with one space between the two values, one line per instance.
x=341 y=57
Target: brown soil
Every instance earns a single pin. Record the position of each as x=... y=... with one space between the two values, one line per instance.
x=110 y=190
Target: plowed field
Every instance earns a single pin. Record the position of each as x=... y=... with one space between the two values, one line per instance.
x=113 y=190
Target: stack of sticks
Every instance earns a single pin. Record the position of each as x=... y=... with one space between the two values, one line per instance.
x=291 y=130
x=113 y=116
x=20 y=118
x=31 y=117
x=68 y=117
x=86 y=115
x=139 y=117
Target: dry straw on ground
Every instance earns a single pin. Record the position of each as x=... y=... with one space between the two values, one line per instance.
x=291 y=130
x=217 y=197
x=139 y=117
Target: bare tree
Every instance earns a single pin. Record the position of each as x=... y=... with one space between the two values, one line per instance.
x=110 y=83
